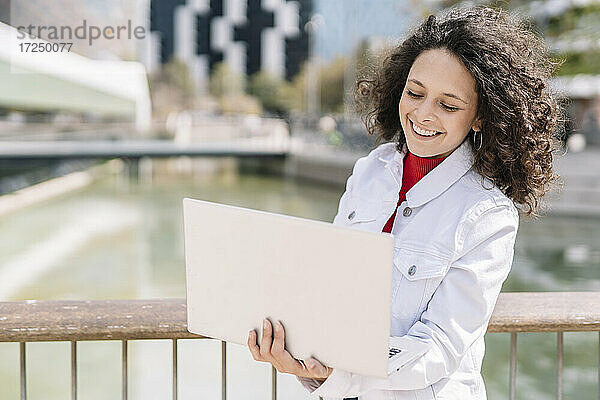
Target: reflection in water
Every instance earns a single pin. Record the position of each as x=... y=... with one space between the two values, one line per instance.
x=114 y=241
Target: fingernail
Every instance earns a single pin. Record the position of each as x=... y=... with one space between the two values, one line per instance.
x=265 y=323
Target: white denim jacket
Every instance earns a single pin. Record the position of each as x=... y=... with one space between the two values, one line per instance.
x=454 y=244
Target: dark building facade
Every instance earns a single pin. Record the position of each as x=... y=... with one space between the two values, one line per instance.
x=249 y=35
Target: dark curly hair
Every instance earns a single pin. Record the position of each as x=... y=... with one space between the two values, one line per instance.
x=511 y=65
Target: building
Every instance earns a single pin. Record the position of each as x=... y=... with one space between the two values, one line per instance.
x=248 y=35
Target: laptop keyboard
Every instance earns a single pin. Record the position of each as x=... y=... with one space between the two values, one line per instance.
x=393 y=352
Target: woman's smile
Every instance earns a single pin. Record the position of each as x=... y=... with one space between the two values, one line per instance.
x=423 y=134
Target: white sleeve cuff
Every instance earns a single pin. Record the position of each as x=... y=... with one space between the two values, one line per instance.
x=340 y=383
x=309 y=384
x=336 y=385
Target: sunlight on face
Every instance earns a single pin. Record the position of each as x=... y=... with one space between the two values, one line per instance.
x=439 y=96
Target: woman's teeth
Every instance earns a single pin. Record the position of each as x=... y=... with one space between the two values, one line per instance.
x=422 y=131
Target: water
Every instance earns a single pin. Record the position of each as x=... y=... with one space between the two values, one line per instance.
x=115 y=240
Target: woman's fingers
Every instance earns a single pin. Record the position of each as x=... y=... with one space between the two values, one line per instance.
x=278 y=346
x=266 y=341
x=272 y=350
x=282 y=357
x=254 y=349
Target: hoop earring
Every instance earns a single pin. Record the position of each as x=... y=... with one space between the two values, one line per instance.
x=475 y=139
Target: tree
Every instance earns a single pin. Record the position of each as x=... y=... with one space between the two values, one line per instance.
x=178 y=75
x=571 y=29
x=272 y=92
x=172 y=87
x=225 y=81
x=332 y=85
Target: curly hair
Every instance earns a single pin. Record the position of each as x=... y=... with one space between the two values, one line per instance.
x=511 y=66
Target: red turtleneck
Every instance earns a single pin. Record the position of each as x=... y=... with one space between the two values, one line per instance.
x=414 y=168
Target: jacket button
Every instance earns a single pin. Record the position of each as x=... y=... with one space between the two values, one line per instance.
x=407 y=211
x=351 y=215
x=412 y=270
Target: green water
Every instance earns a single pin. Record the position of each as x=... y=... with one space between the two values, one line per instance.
x=119 y=240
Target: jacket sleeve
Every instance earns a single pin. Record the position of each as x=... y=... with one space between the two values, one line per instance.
x=457 y=314
x=343 y=204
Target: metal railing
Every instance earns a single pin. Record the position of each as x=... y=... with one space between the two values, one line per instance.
x=124 y=320
x=546 y=312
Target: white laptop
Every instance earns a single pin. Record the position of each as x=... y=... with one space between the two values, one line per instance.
x=329 y=285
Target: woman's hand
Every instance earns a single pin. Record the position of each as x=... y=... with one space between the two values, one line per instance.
x=272 y=350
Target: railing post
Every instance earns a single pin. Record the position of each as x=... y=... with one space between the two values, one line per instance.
x=513 y=366
x=559 y=356
x=273 y=383
x=174 y=369
x=73 y=370
x=223 y=370
x=124 y=368
x=23 y=371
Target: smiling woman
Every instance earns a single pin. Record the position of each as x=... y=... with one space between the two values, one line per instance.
x=474 y=72
x=464 y=106
x=426 y=109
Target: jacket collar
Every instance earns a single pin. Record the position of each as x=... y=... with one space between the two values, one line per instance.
x=437 y=180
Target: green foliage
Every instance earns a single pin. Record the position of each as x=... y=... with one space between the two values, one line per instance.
x=575 y=18
x=225 y=81
x=578 y=23
x=580 y=63
x=280 y=96
x=171 y=87
x=332 y=85
x=274 y=94
x=177 y=75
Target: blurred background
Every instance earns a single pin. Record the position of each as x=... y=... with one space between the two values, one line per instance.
x=249 y=103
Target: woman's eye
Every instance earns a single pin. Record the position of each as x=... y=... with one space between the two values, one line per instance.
x=448 y=107
x=411 y=94
x=418 y=96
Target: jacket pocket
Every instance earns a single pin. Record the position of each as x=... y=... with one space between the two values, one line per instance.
x=417 y=273
x=360 y=209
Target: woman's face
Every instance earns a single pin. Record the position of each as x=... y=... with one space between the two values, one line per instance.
x=440 y=97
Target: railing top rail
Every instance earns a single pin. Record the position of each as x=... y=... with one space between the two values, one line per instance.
x=32 y=321
x=546 y=312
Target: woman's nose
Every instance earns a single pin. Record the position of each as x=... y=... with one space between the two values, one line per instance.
x=425 y=111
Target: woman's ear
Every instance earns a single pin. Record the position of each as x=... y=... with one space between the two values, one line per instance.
x=477 y=125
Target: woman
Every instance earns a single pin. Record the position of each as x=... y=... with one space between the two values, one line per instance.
x=465 y=107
